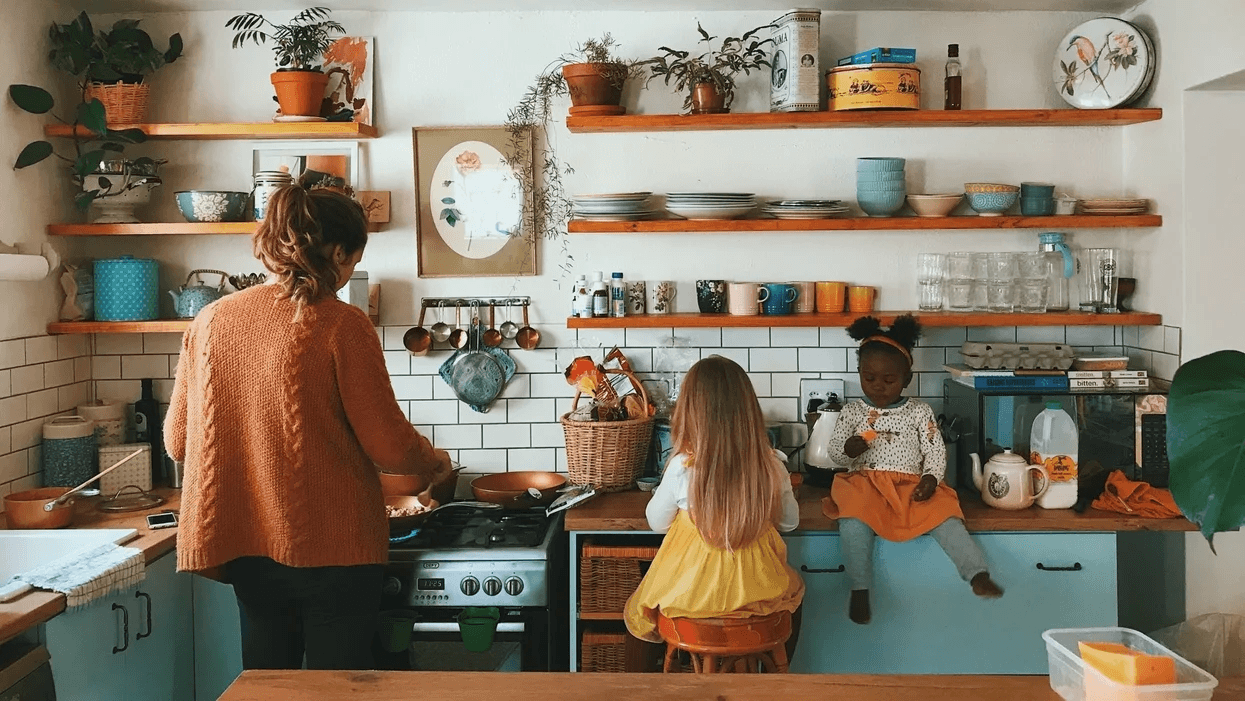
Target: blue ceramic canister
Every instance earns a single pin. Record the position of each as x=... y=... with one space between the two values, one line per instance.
x=127 y=289
x=69 y=457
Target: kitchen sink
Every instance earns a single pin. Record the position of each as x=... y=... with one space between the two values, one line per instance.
x=21 y=551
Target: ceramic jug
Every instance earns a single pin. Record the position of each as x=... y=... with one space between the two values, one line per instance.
x=818 y=454
x=1006 y=481
x=189 y=300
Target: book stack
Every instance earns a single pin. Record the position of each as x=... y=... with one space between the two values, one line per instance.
x=1038 y=380
x=1106 y=379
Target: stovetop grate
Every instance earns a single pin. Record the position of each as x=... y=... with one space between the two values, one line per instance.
x=478 y=529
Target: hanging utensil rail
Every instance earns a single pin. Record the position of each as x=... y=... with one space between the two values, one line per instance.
x=480 y=301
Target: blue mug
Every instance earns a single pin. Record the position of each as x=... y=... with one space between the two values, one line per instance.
x=781 y=298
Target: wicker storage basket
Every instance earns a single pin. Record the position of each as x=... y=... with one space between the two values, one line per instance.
x=603 y=652
x=124 y=103
x=609 y=575
x=609 y=455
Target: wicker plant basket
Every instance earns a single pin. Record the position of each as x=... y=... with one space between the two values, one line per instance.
x=603 y=652
x=609 y=575
x=124 y=103
x=609 y=455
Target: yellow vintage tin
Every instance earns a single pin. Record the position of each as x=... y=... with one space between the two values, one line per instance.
x=872 y=86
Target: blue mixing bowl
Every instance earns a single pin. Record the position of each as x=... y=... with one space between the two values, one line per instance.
x=876 y=164
x=992 y=204
x=880 y=204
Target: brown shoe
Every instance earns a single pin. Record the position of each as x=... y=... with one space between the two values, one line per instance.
x=985 y=587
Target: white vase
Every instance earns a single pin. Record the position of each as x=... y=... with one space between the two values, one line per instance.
x=117 y=203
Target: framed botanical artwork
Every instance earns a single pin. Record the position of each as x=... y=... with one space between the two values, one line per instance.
x=473 y=200
x=325 y=163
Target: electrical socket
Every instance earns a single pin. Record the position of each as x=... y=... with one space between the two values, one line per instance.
x=817 y=388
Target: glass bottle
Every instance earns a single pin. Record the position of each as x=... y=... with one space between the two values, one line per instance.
x=600 y=295
x=953 y=79
x=581 y=283
x=1061 y=269
x=618 y=295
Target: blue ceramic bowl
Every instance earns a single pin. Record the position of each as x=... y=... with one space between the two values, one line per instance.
x=1037 y=206
x=895 y=186
x=881 y=204
x=211 y=206
x=880 y=176
x=875 y=164
x=992 y=204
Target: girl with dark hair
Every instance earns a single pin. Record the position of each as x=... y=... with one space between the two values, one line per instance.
x=896 y=459
x=282 y=412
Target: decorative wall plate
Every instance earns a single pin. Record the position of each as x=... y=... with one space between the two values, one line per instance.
x=1103 y=63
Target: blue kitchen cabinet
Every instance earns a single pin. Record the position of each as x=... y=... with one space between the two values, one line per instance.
x=217 y=638
x=927 y=621
x=163 y=644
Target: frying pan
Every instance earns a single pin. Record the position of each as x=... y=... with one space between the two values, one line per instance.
x=400 y=524
x=510 y=488
x=477 y=375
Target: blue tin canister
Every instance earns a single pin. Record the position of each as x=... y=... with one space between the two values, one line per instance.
x=127 y=289
x=68 y=454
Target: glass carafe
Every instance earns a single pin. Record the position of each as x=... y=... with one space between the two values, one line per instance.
x=1062 y=266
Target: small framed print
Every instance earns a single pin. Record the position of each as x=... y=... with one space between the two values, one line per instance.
x=325 y=163
x=473 y=199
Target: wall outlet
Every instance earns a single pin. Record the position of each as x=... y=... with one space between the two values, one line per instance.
x=817 y=388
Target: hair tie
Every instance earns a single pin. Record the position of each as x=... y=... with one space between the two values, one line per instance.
x=890 y=342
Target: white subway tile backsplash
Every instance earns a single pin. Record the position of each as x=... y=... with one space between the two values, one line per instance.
x=1150 y=337
x=1095 y=336
x=799 y=337
x=1139 y=359
x=6 y=385
x=929 y=383
x=6 y=440
x=551 y=336
x=428 y=364
x=532 y=459
x=398 y=362
x=548 y=436
x=778 y=408
x=945 y=336
x=739 y=355
x=497 y=414
x=166 y=343
x=928 y=359
x=440 y=390
x=43 y=403
x=1040 y=334
x=772 y=360
x=434 y=412
x=120 y=390
x=536 y=410
x=106 y=367
x=538 y=360
x=482 y=461
x=512 y=435
x=58 y=373
x=787 y=384
x=118 y=344
x=836 y=337
x=992 y=334
x=12 y=466
x=82 y=369
x=566 y=356
x=601 y=338
x=412 y=386
x=12 y=353
x=822 y=360
x=28 y=378
x=72 y=346
x=548 y=385
x=559 y=464
x=698 y=338
x=745 y=337
x=70 y=396
x=391 y=337
x=674 y=359
x=456 y=436
x=1132 y=336
x=12 y=410
x=1164 y=365
x=518 y=387
x=651 y=338
x=1171 y=340
x=28 y=434
x=137 y=367
x=40 y=349
x=641 y=359
x=760 y=383
x=163 y=389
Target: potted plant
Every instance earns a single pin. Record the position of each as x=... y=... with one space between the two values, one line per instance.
x=709 y=77
x=299 y=46
x=594 y=77
x=112 y=64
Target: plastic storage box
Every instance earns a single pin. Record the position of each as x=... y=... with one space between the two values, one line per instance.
x=1068 y=670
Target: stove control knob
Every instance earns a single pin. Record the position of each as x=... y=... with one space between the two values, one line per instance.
x=470 y=586
x=392 y=586
x=514 y=586
x=492 y=586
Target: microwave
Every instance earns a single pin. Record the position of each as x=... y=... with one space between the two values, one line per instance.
x=1118 y=428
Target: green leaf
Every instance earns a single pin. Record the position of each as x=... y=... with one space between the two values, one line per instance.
x=129 y=136
x=1206 y=441
x=447 y=200
x=175 y=49
x=82 y=200
x=92 y=116
x=88 y=162
x=32 y=99
x=34 y=152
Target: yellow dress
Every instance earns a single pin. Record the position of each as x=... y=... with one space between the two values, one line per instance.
x=692 y=579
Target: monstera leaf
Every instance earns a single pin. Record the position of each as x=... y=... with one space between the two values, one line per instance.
x=1206 y=441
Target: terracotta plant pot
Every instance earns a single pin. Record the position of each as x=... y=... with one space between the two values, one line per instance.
x=595 y=87
x=300 y=93
x=707 y=100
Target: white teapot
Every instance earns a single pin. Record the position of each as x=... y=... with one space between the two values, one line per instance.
x=1005 y=482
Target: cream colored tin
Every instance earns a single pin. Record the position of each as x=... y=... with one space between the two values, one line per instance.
x=794 y=72
x=871 y=86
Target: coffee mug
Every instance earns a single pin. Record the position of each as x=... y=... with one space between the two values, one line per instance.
x=806 y=300
x=831 y=297
x=860 y=298
x=635 y=298
x=745 y=298
x=661 y=296
x=711 y=296
x=781 y=297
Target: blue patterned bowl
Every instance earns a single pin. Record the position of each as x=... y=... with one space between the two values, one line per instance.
x=211 y=206
x=992 y=204
x=877 y=164
x=880 y=204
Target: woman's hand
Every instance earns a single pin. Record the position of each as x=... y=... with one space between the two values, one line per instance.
x=925 y=488
x=855 y=446
x=442 y=468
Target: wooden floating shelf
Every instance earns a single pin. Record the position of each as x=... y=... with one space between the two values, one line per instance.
x=681 y=226
x=160 y=326
x=240 y=130
x=863 y=118
x=680 y=321
x=162 y=229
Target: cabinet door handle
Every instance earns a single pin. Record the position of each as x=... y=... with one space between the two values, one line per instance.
x=836 y=570
x=147 y=597
x=1076 y=567
x=125 y=629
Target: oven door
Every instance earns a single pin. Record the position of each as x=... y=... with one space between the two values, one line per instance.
x=521 y=642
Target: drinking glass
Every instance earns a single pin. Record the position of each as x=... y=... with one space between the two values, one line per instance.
x=1000 y=266
x=1000 y=295
x=931 y=267
x=1100 y=277
x=960 y=295
x=960 y=266
x=931 y=295
x=1034 y=265
x=1032 y=295
x=979 y=268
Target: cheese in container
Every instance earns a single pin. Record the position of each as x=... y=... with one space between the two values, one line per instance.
x=794 y=73
x=872 y=86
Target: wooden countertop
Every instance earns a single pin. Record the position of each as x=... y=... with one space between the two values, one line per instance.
x=540 y=686
x=37 y=606
x=624 y=511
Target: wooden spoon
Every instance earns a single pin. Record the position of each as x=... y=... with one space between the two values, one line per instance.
x=492 y=337
x=458 y=337
x=528 y=337
x=418 y=340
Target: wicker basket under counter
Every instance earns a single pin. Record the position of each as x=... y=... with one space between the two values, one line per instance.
x=603 y=651
x=610 y=574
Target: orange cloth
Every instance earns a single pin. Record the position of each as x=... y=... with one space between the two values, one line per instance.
x=883 y=500
x=1136 y=498
x=281 y=425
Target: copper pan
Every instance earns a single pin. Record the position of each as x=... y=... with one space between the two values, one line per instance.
x=510 y=489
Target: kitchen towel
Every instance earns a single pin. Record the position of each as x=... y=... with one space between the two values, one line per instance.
x=1136 y=498
x=86 y=576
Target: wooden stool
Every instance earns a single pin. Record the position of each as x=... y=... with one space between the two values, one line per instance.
x=753 y=644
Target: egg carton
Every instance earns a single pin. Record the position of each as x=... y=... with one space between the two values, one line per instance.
x=1017 y=356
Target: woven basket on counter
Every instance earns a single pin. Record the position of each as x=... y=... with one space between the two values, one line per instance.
x=609 y=575
x=609 y=455
x=124 y=103
x=603 y=652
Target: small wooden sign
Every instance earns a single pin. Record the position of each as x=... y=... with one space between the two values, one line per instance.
x=376 y=205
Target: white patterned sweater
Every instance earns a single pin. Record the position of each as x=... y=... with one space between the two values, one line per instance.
x=907 y=439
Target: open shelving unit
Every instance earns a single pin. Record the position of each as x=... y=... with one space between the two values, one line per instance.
x=842 y=320
x=215 y=131
x=163 y=229
x=158 y=326
x=682 y=226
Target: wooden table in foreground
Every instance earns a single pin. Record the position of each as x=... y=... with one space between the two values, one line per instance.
x=540 y=686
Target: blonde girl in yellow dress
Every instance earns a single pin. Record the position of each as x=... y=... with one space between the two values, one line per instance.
x=723 y=498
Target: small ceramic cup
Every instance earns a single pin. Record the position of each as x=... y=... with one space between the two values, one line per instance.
x=636 y=298
x=860 y=298
x=831 y=297
x=806 y=301
x=711 y=296
x=1065 y=205
x=660 y=296
x=781 y=298
x=745 y=298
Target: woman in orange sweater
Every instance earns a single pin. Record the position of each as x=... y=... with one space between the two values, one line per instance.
x=282 y=411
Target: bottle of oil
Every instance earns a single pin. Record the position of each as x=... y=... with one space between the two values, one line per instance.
x=952 y=84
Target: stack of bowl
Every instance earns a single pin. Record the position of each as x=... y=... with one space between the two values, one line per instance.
x=1037 y=199
x=880 y=189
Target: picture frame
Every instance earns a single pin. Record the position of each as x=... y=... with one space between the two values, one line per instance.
x=473 y=199
x=349 y=62
x=337 y=161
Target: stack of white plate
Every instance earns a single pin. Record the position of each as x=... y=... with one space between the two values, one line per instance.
x=1115 y=206
x=804 y=209
x=710 y=205
x=613 y=206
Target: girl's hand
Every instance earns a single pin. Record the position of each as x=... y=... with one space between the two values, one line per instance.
x=925 y=488
x=855 y=446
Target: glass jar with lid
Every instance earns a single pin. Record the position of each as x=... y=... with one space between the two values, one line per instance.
x=266 y=183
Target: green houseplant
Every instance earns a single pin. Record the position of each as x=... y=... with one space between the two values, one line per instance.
x=299 y=46
x=709 y=77
x=112 y=64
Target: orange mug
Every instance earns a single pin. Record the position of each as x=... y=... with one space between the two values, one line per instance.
x=860 y=298
x=831 y=297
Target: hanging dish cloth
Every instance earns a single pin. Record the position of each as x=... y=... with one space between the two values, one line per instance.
x=90 y=575
x=1136 y=498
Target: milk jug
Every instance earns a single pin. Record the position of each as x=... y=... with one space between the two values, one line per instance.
x=1053 y=446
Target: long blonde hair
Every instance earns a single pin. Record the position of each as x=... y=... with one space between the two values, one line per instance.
x=735 y=476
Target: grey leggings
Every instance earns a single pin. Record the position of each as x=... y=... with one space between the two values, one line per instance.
x=857 y=545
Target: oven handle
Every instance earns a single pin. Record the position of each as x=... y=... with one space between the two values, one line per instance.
x=452 y=627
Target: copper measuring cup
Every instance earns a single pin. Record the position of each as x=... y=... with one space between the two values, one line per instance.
x=418 y=340
x=528 y=337
x=492 y=337
x=458 y=337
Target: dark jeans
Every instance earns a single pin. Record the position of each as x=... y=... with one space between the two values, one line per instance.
x=328 y=613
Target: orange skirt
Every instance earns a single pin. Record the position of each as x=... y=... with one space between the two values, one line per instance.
x=883 y=500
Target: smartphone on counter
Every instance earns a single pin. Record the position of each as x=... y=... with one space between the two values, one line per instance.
x=164 y=519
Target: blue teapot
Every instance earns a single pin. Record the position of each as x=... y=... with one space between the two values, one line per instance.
x=189 y=299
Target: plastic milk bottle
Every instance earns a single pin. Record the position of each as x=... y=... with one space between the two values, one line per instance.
x=1053 y=446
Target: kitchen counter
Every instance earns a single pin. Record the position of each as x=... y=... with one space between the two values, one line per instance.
x=533 y=686
x=39 y=606
x=624 y=511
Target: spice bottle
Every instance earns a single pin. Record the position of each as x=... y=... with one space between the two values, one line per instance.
x=953 y=79
x=618 y=295
x=576 y=304
x=583 y=299
x=600 y=295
